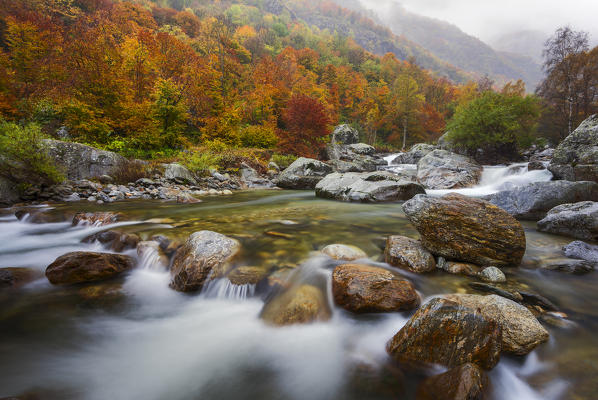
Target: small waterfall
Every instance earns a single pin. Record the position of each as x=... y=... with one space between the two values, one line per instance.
x=225 y=289
x=151 y=256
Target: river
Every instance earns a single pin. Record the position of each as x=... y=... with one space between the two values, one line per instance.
x=134 y=338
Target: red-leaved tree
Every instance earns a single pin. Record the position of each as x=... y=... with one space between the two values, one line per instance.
x=306 y=126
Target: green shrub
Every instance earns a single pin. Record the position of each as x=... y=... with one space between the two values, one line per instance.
x=282 y=160
x=258 y=136
x=22 y=155
x=498 y=124
x=200 y=162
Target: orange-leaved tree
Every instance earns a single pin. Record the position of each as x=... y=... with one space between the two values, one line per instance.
x=306 y=126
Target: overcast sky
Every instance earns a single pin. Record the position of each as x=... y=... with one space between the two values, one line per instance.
x=488 y=19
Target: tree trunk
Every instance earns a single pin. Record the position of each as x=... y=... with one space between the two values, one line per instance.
x=404 y=132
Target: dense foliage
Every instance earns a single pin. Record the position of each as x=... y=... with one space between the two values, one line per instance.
x=146 y=80
x=496 y=124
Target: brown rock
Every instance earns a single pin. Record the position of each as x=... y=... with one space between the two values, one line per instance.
x=17 y=277
x=363 y=289
x=444 y=332
x=247 y=275
x=465 y=382
x=204 y=254
x=117 y=241
x=96 y=219
x=298 y=305
x=79 y=266
x=521 y=331
x=458 y=268
x=409 y=254
x=467 y=229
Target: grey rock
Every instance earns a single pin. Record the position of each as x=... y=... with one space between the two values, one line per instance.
x=303 y=173
x=9 y=193
x=79 y=161
x=409 y=254
x=576 y=157
x=578 y=220
x=344 y=252
x=533 y=201
x=570 y=266
x=582 y=250
x=442 y=169
x=363 y=149
x=369 y=187
x=344 y=134
x=492 y=274
x=176 y=172
x=73 y=197
x=361 y=165
x=413 y=156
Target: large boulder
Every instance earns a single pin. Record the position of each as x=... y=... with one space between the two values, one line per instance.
x=372 y=187
x=442 y=169
x=582 y=251
x=205 y=254
x=446 y=333
x=80 y=161
x=303 y=173
x=521 y=331
x=578 y=220
x=409 y=254
x=178 y=173
x=466 y=229
x=80 y=266
x=9 y=193
x=345 y=135
x=297 y=305
x=533 y=201
x=576 y=158
x=366 y=289
x=413 y=156
x=465 y=382
x=363 y=164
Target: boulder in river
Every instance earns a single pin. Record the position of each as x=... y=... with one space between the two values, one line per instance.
x=465 y=382
x=81 y=266
x=492 y=274
x=442 y=169
x=521 y=331
x=413 y=156
x=463 y=228
x=297 y=305
x=578 y=220
x=444 y=332
x=345 y=135
x=582 y=250
x=533 y=201
x=576 y=157
x=79 y=161
x=205 y=254
x=367 y=289
x=344 y=252
x=96 y=218
x=247 y=275
x=372 y=187
x=176 y=172
x=114 y=240
x=16 y=277
x=303 y=173
x=458 y=268
x=409 y=254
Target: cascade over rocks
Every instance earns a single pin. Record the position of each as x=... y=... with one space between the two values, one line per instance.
x=576 y=157
x=297 y=305
x=441 y=169
x=81 y=266
x=409 y=254
x=370 y=187
x=79 y=161
x=465 y=382
x=364 y=289
x=466 y=229
x=521 y=331
x=114 y=240
x=533 y=201
x=444 y=332
x=303 y=173
x=205 y=254
x=578 y=220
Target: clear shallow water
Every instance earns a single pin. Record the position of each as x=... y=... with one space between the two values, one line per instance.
x=134 y=338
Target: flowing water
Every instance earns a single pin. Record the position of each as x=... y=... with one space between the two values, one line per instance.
x=134 y=338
